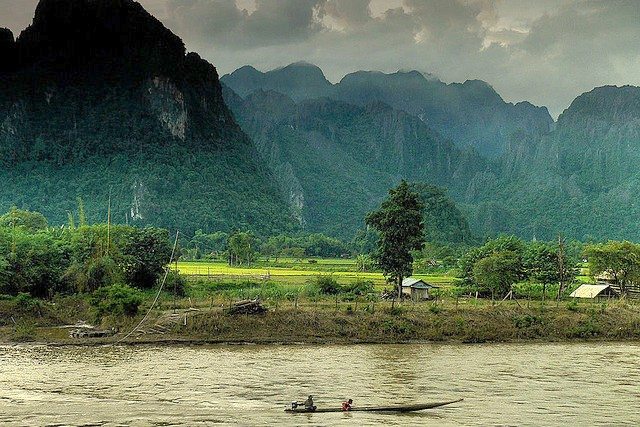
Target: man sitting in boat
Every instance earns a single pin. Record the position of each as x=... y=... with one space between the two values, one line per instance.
x=308 y=404
x=346 y=405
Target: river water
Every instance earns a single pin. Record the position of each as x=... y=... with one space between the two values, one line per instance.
x=502 y=384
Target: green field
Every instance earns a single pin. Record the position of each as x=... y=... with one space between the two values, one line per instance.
x=295 y=271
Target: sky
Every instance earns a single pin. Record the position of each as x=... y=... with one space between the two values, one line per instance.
x=543 y=51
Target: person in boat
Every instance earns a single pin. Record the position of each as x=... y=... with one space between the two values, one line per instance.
x=346 y=405
x=308 y=404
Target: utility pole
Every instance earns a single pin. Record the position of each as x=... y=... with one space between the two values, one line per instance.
x=109 y=224
x=561 y=267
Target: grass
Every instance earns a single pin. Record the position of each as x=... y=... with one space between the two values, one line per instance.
x=298 y=312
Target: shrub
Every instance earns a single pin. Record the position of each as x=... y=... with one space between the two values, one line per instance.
x=117 y=300
x=328 y=285
x=359 y=287
x=24 y=331
x=435 y=309
x=175 y=284
x=26 y=303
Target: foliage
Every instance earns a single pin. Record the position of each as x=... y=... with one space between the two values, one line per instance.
x=359 y=288
x=500 y=244
x=310 y=245
x=241 y=248
x=327 y=284
x=206 y=244
x=498 y=271
x=116 y=299
x=443 y=221
x=400 y=224
x=43 y=262
x=26 y=220
x=620 y=260
x=145 y=253
x=175 y=284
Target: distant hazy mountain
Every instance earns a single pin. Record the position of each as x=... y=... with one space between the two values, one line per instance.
x=471 y=113
x=99 y=98
x=335 y=161
x=583 y=179
x=533 y=177
x=299 y=81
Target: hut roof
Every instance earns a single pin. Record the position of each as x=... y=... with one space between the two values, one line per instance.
x=412 y=282
x=589 y=291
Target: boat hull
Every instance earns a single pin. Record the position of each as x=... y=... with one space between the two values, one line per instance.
x=404 y=408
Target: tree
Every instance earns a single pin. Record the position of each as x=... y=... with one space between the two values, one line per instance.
x=498 y=271
x=399 y=222
x=471 y=257
x=241 y=248
x=26 y=220
x=620 y=260
x=542 y=265
x=145 y=254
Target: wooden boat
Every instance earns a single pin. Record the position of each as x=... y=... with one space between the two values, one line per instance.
x=403 y=408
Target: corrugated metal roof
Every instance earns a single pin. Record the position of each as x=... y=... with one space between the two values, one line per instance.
x=412 y=282
x=588 y=291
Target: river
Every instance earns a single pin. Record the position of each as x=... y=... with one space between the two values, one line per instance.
x=502 y=384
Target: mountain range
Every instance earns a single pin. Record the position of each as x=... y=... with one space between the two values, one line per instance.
x=100 y=102
x=510 y=167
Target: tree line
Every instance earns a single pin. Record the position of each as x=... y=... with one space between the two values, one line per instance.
x=42 y=261
x=495 y=266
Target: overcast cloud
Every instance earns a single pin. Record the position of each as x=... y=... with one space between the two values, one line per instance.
x=544 y=51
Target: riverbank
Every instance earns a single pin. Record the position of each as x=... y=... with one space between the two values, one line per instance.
x=508 y=322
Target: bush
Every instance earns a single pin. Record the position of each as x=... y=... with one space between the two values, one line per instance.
x=24 y=331
x=359 y=287
x=175 y=284
x=25 y=303
x=117 y=300
x=328 y=285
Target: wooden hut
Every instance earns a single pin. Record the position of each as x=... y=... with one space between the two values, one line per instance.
x=600 y=290
x=417 y=289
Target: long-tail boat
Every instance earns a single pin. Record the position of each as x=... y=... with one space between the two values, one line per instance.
x=397 y=408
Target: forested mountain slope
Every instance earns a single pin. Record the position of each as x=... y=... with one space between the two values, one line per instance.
x=583 y=178
x=99 y=98
x=335 y=161
x=532 y=177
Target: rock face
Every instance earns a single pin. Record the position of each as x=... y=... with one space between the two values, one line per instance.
x=582 y=179
x=7 y=50
x=513 y=168
x=335 y=161
x=101 y=98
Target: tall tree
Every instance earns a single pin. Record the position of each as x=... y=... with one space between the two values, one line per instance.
x=400 y=224
x=547 y=264
x=498 y=271
x=619 y=260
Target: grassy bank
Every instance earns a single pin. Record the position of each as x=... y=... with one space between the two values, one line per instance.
x=326 y=321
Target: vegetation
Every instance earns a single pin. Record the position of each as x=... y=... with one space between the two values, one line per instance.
x=399 y=222
x=620 y=260
x=43 y=262
x=50 y=276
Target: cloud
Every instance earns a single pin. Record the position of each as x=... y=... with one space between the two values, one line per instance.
x=544 y=51
x=16 y=14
